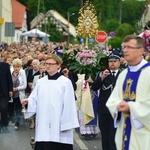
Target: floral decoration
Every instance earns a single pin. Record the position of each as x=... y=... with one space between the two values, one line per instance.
x=88 y=62
x=146 y=36
x=87 y=57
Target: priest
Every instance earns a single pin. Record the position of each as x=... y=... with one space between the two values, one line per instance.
x=129 y=102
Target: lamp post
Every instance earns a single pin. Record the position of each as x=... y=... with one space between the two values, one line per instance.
x=68 y=18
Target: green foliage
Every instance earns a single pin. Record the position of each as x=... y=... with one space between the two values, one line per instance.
x=115 y=42
x=111 y=25
x=132 y=10
x=56 y=36
x=32 y=5
x=24 y=2
x=124 y=29
x=74 y=40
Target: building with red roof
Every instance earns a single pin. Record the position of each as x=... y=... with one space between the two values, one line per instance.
x=13 y=21
x=20 y=19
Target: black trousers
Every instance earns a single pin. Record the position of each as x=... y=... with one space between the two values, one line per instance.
x=106 y=125
x=52 y=146
x=14 y=110
x=3 y=111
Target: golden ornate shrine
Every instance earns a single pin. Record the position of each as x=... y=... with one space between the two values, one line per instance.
x=87 y=22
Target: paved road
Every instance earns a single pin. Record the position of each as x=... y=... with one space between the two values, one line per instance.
x=20 y=139
x=94 y=144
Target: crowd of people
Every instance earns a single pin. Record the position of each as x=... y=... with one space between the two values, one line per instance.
x=57 y=100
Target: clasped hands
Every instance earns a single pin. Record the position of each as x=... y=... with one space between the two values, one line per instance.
x=123 y=106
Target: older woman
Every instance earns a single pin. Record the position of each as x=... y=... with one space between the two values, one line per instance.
x=42 y=69
x=19 y=86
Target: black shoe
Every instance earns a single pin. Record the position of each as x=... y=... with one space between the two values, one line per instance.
x=88 y=137
x=94 y=135
x=77 y=130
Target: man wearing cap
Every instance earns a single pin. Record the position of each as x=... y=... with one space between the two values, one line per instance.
x=105 y=82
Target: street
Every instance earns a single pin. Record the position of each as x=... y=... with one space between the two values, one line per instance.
x=20 y=139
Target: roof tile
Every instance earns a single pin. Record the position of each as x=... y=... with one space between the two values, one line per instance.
x=18 y=11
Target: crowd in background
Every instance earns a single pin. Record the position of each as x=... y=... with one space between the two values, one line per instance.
x=27 y=65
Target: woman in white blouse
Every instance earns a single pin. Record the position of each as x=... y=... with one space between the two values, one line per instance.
x=19 y=86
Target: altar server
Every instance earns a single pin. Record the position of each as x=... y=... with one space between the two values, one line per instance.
x=53 y=102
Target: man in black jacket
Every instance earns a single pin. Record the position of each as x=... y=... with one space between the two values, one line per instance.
x=6 y=88
x=105 y=82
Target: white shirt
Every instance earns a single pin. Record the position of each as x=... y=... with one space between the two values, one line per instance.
x=116 y=71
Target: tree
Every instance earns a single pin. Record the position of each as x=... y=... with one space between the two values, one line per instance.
x=124 y=29
x=111 y=25
x=24 y=2
x=132 y=11
x=32 y=5
x=115 y=42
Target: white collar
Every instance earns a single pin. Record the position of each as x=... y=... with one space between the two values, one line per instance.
x=138 y=66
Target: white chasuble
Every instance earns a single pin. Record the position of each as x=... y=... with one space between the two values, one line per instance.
x=139 y=110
